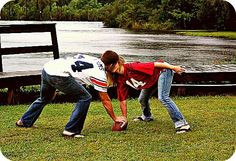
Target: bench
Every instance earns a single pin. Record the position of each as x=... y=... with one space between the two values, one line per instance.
x=14 y=80
x=204 y=83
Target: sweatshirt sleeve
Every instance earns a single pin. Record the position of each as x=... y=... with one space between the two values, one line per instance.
x=146 y=68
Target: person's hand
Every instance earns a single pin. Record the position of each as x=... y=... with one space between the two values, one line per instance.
x=178 y=69
x=121 y=119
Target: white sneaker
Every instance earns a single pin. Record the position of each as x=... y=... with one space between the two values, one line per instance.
x=144 y=118
x=183 y=129
x=71 y=134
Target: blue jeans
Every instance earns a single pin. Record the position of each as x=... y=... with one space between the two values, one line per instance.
x=163 y=87
x=67 y=85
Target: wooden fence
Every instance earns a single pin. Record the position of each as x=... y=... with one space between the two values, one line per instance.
x=14 y=80
x=189 y=83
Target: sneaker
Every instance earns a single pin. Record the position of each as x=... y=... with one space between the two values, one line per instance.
x=71 y=134
x=183 y=129
x=19 y=123
x=144 y=118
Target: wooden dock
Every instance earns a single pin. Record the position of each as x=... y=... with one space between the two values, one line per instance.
x=187 y=84
x=205 y=80
x=14 y=80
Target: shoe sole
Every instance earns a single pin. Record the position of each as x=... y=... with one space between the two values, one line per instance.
x=18 y=125
x=184 y=129
x=73 y=136
x=140 y=119
x=23 y=126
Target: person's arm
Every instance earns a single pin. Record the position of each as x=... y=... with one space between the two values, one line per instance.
x=123 y=107
x=106 y=101
x=177 y=69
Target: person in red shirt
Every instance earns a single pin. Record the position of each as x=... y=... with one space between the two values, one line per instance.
x=147 y=77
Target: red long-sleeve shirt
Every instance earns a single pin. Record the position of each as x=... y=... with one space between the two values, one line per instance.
x=137 y=75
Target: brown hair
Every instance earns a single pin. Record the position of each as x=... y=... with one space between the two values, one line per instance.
x=110 y=57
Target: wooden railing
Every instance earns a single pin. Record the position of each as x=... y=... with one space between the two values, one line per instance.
x=29 y=28
x=189 y=83
x=14 y=80
x=205 y=83
x=193 y=83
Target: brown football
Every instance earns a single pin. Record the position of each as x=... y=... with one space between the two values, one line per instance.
x=119 y=126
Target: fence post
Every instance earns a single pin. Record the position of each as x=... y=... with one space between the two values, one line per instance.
x=0 y=55
x=54 y=42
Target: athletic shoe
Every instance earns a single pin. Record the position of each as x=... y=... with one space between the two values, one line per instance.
x=71 y=134
x=183 y=129
x=19 y=123
x=144 y=118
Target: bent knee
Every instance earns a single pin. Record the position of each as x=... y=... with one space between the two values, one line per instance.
x=84 y=96
x=88 y=97
x=143 y=100
x=164 y=99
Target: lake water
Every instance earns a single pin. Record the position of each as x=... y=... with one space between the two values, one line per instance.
x=93 y=38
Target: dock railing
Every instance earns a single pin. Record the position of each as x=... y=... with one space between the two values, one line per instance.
x=14 y=80
x=189 y=83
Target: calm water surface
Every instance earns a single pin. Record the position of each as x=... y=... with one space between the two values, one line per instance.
x=93 y=38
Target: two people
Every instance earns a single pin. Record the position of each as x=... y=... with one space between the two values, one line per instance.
x=69 y=75
x=148 y=77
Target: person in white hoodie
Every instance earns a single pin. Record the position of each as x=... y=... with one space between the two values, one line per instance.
x=68 y=75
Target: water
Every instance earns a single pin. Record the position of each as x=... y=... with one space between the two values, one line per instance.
x=93 y=38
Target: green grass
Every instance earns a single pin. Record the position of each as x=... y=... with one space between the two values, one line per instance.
x=212 y=137
x=222 y=34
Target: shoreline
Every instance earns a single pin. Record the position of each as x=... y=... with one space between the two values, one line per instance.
x=208 y=33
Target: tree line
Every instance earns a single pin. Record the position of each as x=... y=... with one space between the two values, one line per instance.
x=153 y=15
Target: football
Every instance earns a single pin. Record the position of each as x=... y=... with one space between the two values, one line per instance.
x=119 y=126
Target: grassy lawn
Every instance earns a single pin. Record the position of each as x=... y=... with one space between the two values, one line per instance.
x=222 y=34
x=213 y=135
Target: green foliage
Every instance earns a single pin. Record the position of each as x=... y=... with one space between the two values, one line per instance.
x=132 y=14
x=28 y=89
x=171 y=14
x=110 y=12
x=212 y=137
x=52 y=10
x=216 y=14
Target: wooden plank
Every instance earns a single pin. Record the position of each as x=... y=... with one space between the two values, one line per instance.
x=30 y=49
x=20 y=81
x=203 y=85
x=1 y=69
x=26 y=28
x=20 y=78
x=14 y=80
x=203 y=90
x=205 y=76
x=54 y=43
x=19 y=74
x=189 y=77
